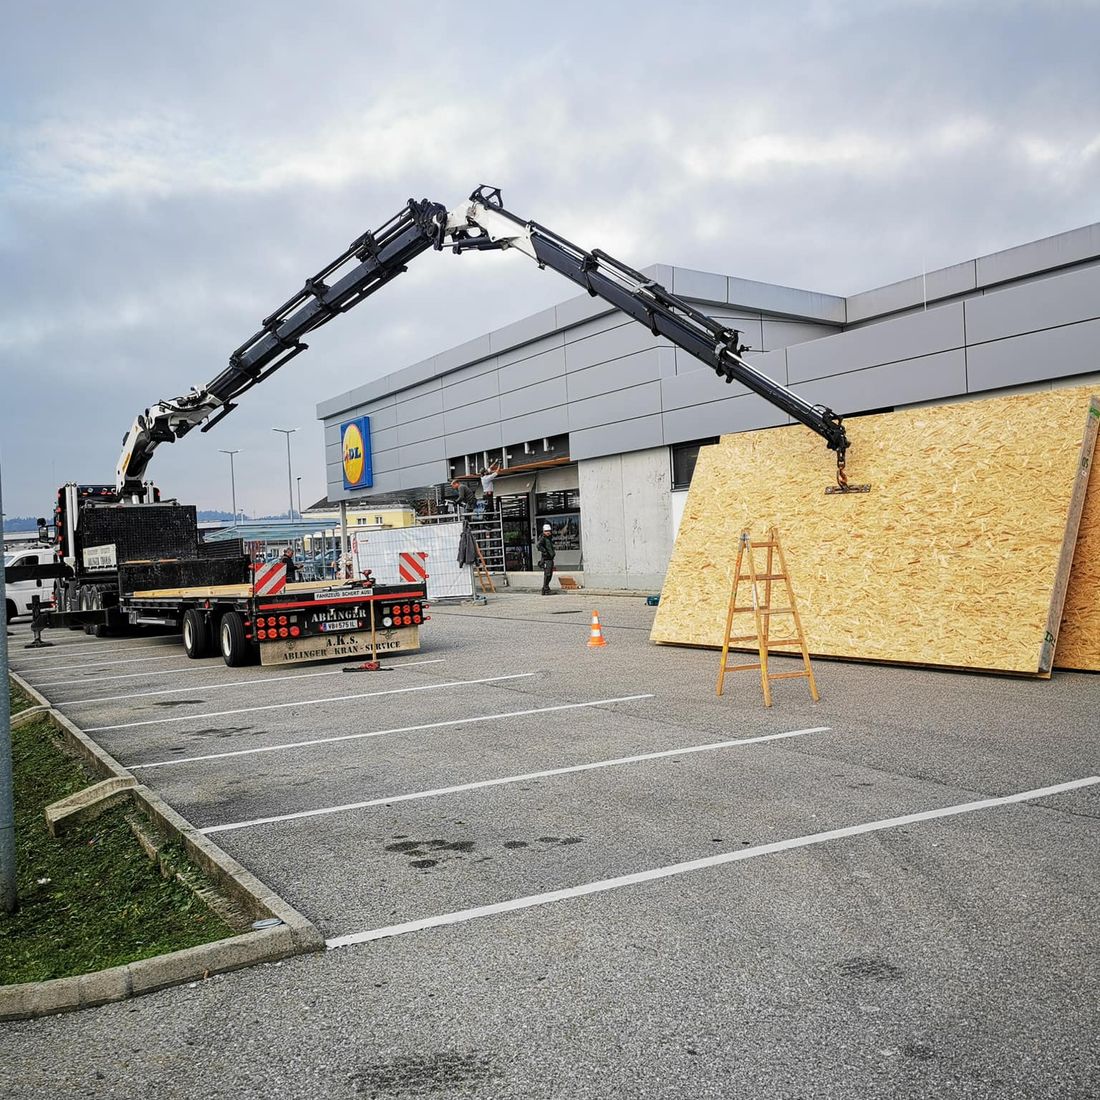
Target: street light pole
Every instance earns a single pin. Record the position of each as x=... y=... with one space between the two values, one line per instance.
x=232 y=482
x=299 y=480
x=9 y=894
x=288 y=432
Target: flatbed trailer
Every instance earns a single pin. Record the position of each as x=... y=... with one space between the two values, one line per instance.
x=302 y=622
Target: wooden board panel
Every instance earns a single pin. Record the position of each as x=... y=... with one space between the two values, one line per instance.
x=1079 y=638
x=952 y=558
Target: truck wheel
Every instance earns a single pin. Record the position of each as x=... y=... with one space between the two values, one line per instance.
x=236 y=649
x=9 y=610
x=196 y=634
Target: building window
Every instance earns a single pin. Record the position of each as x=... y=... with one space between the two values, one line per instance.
x=684 y=457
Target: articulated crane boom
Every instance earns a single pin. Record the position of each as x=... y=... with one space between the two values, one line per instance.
x=484 y=224
x=368 y=264
x=479 y=224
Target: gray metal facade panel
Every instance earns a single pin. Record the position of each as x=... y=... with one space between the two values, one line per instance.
x=636 y=434
x=614 y=343
x=892 y=384
x=924 y=333
x=700 y=286
x=485 y=438
x=1052 y=353
x=425 y=404
x=1042 y=303
x=427 y=427
x=417 y=454
x=427 y=473
x=465 y=389
x=771 y=363
x=783 y=334
x=523 y=331
x=944 y=282
x=1026 y=259
x=384 y=440
x=471 y=350
x=581 y=308
x=528 y=372
x=618 y=374
x=750 y=327
x=734 y=414
x=332 y=434
x=785 y=300
x=527 y=351
x=519 y=429
x=542 y=395
x=609 y=408
x=486 y=411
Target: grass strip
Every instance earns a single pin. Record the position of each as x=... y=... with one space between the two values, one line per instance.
x=90 y=899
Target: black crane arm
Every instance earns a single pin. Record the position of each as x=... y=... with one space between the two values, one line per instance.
x=483 y=223
x=369 y=263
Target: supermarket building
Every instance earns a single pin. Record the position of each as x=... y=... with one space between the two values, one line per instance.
x=597 y=423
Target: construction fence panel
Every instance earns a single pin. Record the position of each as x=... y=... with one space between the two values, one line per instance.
x=409 y=555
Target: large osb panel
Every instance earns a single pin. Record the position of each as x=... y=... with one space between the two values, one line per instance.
x=952 y=559
x=1079 y=638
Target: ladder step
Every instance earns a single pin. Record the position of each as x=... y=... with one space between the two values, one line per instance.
x=762 y=576
x=768 y=610
x=771 y=641
x=740 y=668
x=787 y=675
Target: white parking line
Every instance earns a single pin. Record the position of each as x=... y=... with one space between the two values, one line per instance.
x=699 y=864
x=105 y=664
x=215 y=687
x=151 y=644
x=382 y=733
x=172 y=672
x=713 y=747
x=308 y=702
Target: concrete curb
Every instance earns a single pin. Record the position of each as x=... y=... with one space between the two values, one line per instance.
x=293 y=936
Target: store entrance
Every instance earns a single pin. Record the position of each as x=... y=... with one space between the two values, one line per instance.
x=515 y=522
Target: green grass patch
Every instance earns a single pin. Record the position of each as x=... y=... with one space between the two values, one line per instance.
x=17 y=698
x=90 y=899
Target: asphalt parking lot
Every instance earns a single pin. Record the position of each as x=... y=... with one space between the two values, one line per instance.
x=545 y=870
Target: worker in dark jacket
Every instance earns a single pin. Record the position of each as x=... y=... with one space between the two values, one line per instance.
x=545 y=547
x=291 y=565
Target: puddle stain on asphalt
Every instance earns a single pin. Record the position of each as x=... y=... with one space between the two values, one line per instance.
x=177 y=702
x=871 y=967
x=425 y=854
x=440 y=1073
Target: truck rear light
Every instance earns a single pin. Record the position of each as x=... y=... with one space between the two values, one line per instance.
x=261 y=634
x=416 y=618
x=387 y=621
x=282 y=620
x=295 y=631
x=283 y=632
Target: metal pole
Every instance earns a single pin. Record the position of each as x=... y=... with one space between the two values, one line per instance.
x=9 y=897
x=288 y=432
x=299 y=481
x=232 y=482
x=343 y=531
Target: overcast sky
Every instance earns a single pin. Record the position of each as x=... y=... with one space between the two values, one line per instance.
x=170 y=173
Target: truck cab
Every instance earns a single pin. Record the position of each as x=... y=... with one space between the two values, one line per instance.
x=18 y=594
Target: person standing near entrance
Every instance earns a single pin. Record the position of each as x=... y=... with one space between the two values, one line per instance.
x=545 y=547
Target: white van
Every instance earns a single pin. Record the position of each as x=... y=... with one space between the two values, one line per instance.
x=19 y=593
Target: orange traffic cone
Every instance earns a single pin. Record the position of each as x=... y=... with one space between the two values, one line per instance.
x=597 y=638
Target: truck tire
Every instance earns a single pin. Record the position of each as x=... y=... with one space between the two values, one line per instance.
x=236 y=649
x=9 y=610
x=196 y=634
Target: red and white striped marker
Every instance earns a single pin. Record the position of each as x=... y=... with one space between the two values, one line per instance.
x=412 y=567
x=269 y=578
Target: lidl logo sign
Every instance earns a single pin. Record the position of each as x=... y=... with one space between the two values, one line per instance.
x=355 y=452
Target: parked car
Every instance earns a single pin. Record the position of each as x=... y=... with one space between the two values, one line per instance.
x=19 y=593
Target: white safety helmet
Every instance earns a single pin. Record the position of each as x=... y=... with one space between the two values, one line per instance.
x=546 y=527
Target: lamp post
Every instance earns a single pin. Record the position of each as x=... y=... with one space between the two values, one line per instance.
x=288 y=432
x=232 y=481
x=299 y=480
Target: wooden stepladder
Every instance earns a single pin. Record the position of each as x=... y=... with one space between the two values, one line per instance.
x=760 y=589
x=482 y=570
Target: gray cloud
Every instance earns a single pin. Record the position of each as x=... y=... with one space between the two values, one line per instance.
x=172 y=174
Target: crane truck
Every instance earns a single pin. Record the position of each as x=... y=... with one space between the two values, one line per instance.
x=128 y=556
